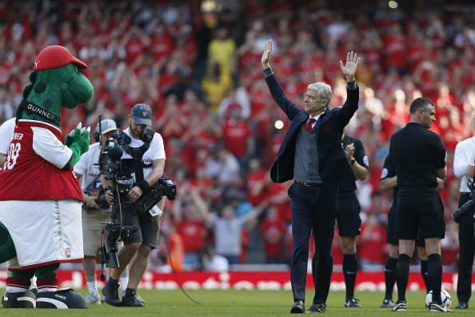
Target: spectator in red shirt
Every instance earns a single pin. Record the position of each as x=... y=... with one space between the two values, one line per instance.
x=238 y=136
x=279 y=199
x=135 y=42
x=257 y=182
x=190 y=211
x=273 y=232
x=395 y=48
x=161 y=43
x=372 y=238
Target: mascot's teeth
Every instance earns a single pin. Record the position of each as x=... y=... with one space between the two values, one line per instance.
x=79 y=125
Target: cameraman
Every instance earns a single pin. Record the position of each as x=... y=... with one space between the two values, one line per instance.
x=464 y=168
x=147 y=152
x=95 y=210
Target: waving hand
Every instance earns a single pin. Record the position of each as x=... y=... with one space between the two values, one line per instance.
x=266 y=55
x=349 y=69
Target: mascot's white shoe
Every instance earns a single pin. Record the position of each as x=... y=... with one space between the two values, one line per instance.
x=61 y=299
x=25 y=299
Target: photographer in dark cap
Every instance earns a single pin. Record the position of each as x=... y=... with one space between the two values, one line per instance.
x=144 y=154
x=95 y=210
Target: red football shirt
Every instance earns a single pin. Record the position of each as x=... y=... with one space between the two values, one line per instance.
x=33 y=170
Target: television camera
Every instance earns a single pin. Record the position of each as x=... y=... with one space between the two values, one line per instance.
x=468 y=206
x=120 y=173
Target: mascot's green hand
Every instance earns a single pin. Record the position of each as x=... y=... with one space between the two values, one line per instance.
x=73 y=135
x=79 y=144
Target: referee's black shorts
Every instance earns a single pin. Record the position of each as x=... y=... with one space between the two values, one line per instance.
x=419 y=213
x=391 y=234
x=348 y=215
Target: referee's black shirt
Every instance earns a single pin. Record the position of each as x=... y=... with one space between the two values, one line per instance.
x=347 y=181
x=416 y=153
x=389 y=170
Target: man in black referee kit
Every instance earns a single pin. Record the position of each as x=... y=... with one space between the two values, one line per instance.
x=348 y=211
x=388 y=182
x=419 y=158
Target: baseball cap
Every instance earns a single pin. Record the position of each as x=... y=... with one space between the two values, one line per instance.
x=107 y=125
x=142 y=114
x=55 y=56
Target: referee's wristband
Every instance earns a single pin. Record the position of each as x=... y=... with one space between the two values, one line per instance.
x=143 y=185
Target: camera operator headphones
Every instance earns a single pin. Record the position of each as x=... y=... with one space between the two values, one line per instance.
x=96 y=136
x=147 y=135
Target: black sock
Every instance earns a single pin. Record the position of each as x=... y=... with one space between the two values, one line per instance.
x=425 y=275
x=390 y=277
x=349 y=270
x=434 y=267
x=402 y=276
x=130 y=292
x=112 y=283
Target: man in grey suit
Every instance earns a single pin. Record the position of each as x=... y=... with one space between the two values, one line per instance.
x=311 y=155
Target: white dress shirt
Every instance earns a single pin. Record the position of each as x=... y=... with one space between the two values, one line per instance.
x=464 y=157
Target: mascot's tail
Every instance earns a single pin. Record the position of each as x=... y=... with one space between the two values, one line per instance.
x=7 y=248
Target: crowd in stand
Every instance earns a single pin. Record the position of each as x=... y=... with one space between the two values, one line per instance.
x=200 y=72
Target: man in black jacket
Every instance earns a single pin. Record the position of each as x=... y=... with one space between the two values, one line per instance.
x=311 y=155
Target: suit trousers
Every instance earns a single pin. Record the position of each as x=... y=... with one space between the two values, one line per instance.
x=313 y=211
x=466 y=253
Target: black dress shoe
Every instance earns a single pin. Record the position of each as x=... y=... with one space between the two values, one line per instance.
x=317 y=308
x=298 y=307
x=462 y=305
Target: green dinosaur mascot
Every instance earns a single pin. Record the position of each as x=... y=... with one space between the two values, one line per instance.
x=40 y=198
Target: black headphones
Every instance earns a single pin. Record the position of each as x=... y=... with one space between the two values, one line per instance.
x=147 y=135
x=96 y=136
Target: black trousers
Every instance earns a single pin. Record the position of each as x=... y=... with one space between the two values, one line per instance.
x=313 y=211
x=466 y=253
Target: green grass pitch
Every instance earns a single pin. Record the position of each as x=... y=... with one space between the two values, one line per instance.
x=234 y=303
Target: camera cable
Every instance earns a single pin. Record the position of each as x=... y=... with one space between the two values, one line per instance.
x=174 y=272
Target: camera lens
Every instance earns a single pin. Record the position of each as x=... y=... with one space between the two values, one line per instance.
x=462 y=211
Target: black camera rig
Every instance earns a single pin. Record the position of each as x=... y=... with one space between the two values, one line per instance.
x=120 y=173
x=468 y=206
x=96 y=190
x=164 y=187
x=120 y=181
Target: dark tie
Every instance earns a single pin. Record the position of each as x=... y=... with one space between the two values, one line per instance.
x=308 y=126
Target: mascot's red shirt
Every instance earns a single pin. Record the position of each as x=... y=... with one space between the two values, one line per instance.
x=33 y=169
